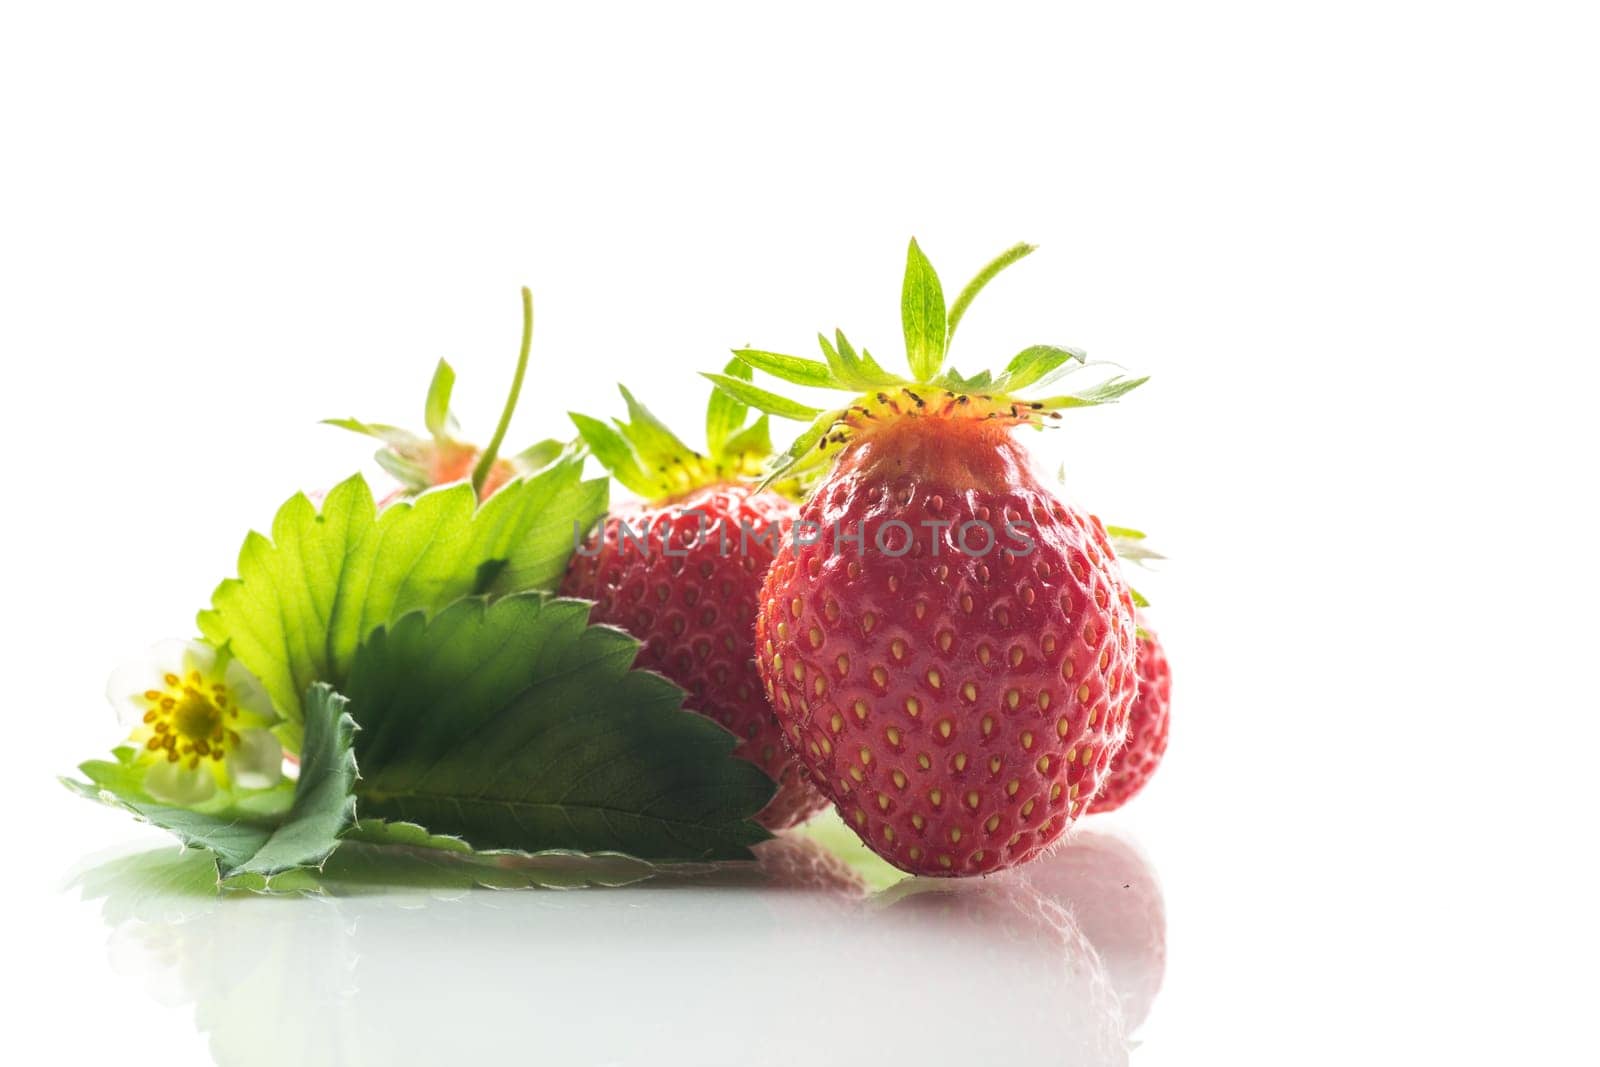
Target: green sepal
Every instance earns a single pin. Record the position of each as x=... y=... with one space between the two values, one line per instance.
x=724 y=414
x=1107 y=392
x=959 y=309
x=922 y=315
x=761 y=400
x=853 y=371
x=436 y=410
x=795 y=369
x=1034 y=365
x=409 y=474
x=754 y=441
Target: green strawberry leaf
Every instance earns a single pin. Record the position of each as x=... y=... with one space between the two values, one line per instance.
x=247 y=842
x=513 y=724
x=307 y=597
x=436 y=412
x=983 y=278
x=922 y=314
x=761 y=400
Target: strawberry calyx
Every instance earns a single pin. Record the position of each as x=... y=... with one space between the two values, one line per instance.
x=933 y=390
x=1129 y=546
x=421 y=462
x=645 y=456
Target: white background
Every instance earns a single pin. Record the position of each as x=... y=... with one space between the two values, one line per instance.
x=1354 y=245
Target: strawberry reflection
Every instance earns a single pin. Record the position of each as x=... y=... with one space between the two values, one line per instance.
x=786 y=961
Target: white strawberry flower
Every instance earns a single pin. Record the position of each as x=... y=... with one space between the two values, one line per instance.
x=201 y=721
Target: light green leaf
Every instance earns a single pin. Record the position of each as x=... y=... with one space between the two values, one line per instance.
x=538 y=456
x=857 y=372
x=755 y=439
x=983 y=278
x=514 y=724
x=1126 y=533
x=804 y=451
x=1106 y=392
x=1034 y=364
x=760 y=399
x=248 y=843
x=922 y=314
x=436 y=412
x=650 y=436
x=794 y=369
x=1138 y=598
x=615 y=455
x=393 y=436
x=724 y=414
x=306 y=597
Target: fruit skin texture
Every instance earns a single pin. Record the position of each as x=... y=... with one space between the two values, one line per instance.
x=695 y=612
x=1148 y=721
x=959 y=710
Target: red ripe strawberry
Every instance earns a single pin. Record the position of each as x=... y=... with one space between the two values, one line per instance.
x=682 y=572
x=1132 y=767
x=420 y=463
x=952 y=654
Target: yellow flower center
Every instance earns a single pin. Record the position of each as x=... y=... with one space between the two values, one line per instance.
x=189 y=719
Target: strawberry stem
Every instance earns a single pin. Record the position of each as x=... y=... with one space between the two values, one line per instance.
x=486 y=461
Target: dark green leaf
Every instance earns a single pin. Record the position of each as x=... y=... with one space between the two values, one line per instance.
x=514 y=724
x=247 y=842
x=922 y=314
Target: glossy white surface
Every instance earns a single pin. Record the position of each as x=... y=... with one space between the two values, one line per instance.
x=1062 y=962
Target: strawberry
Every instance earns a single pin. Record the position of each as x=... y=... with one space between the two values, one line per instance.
x=1134 y=764
x=681 y=571
x=949 y=647
x=1132 y=767
x=419 y=463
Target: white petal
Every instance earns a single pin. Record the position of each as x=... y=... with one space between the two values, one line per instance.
x=258 y=761
x=202 y=658
x=128 y=683
x=176 y=783
x=248 y=692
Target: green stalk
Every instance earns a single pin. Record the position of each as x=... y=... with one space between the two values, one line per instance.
x=486 y=461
